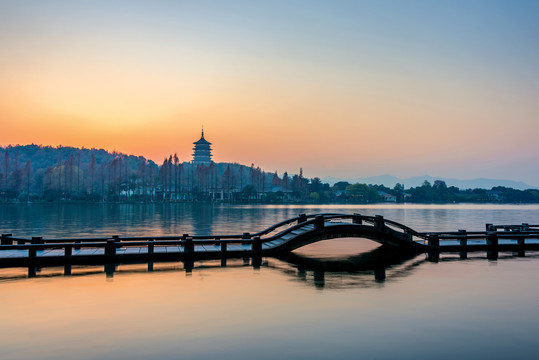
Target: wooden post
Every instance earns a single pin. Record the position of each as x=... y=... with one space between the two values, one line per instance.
x=150 y=246
x=489 y=227
x=356 y=219
x=223 y=247
x=463 y=242
x=110 y=248
x=319 y=222
x=433 y=240
x=189 y=246
x=492 y=242
x=32 y=253
x=379 y=222
x=525 y=227
x=302 y=218
x=434 y=254
x=257 y=245
x=68 y=249
x=6 y=239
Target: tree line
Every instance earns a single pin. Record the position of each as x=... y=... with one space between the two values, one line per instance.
x=43 y=173
x=34 y=173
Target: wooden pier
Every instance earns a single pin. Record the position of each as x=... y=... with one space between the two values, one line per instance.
x=276 y=240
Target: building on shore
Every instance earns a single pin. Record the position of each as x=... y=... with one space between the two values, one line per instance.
x=202 y=151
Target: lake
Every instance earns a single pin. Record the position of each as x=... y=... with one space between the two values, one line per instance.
x=320 y=303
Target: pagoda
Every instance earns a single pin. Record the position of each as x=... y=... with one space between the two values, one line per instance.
x=202 y=151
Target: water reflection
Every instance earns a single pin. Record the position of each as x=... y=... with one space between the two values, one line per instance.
x=374 y=262
x=70 y=220
x=365 y=270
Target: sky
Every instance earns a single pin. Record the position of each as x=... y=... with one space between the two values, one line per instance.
x=338 y=88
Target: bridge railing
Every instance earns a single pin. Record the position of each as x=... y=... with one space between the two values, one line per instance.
x=111 y=244
x=280 y=229
x=286 y=225
x=373 y=220
x=302 y=219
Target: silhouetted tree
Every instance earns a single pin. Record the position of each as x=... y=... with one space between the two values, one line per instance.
x=28 y=178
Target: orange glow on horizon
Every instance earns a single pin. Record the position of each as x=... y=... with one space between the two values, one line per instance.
x=336 y=100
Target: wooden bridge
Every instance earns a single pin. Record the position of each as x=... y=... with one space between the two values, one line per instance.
x=276 y=240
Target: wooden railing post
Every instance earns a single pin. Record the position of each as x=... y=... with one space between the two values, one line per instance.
x=110 y=248
x=433 y=240
x=246 y=236
x=379 y=222
x=6 y=239
x=356 y=219
x=68 y=251
x=302 y=218
x=492 y=242
x=433 y=254
x=319 y=222
x=223 y=246
x=463 y=240
x=150 y=246
x=116 y=239
x=32 y=252
x=189 y=246
x=257 y=245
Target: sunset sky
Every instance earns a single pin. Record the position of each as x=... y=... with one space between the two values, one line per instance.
x=341 y=88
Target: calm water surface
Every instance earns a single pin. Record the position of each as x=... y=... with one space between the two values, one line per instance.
x=324 y=302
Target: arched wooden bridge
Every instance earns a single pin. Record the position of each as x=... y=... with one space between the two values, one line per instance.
x=280 y=238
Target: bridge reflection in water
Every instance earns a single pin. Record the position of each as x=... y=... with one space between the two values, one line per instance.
x=364 y=270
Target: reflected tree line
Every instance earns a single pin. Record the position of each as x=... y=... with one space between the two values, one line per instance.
x=33 y=173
